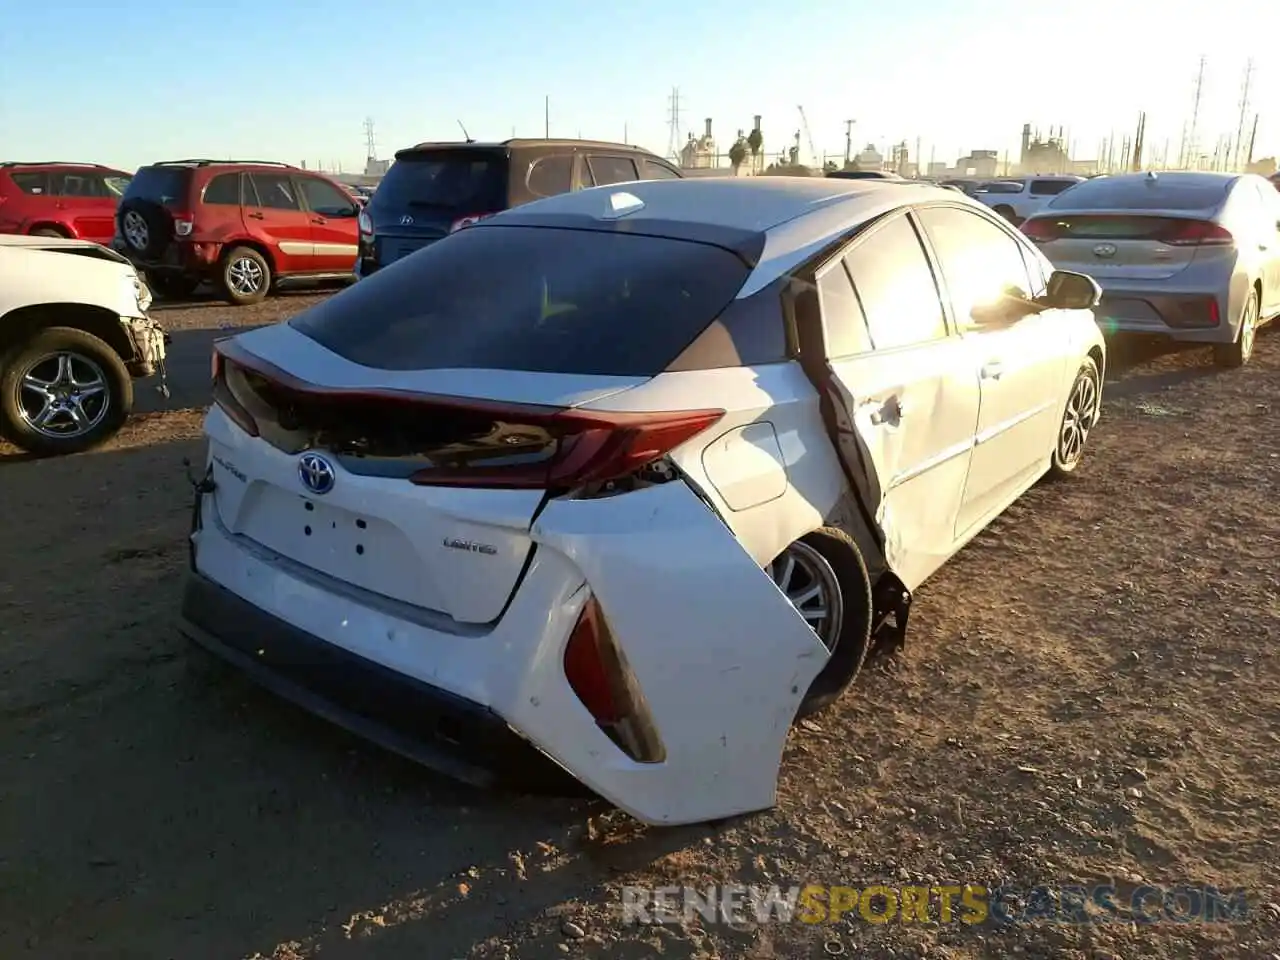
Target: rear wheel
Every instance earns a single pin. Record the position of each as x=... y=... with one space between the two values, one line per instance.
x=173 y=287
x=1078 y=418
x=1237 y=354
x=48 y=232
x=246 y=276
x=825 y=578
x=63 y=391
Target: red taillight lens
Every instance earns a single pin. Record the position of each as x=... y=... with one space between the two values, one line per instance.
x=1041 y=231
x=226 y=378
x=183 y=224
x=597 y=672
x=1196 y=233
x=468 y=221
x=592 y=448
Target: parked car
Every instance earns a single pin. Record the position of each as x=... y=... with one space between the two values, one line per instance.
x=1017 y=198
x=76 y=200
x=433 y=189
x=245 y=226
x=1190 y=256
x=570 y=484
x=74 y=335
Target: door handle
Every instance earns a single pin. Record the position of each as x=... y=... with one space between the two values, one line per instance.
x=993 y=370
x=254 y=216
x=319 y=220
x=886 y=412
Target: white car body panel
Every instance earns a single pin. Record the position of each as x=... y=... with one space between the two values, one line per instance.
x=41 y=270
x=1026 y=202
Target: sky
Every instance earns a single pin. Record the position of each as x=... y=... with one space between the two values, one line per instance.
x=136 y=81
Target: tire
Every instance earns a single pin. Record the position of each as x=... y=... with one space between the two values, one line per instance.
x=833 y=556
x=1078 y=416
x=49 y=232
x=245 y=276
x=146 y=228
x=44 y=358
x=174 y=287
x=1006 y=211
x=1237 y=353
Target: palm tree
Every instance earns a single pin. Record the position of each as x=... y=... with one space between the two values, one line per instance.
x=755 y=141
x=738 y=153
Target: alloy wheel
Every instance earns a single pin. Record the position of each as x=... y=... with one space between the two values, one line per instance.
x=806 y=579
x=244 y=276
x=134 y=227
x=64 y=395
x=1248 y=328
x=1078 y=420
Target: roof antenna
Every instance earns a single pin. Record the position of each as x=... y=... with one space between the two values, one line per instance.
x=465 y=134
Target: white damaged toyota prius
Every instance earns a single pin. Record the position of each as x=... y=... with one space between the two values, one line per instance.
x=609 y=489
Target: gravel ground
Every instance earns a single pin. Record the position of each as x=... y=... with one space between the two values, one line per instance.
x=1090 y=692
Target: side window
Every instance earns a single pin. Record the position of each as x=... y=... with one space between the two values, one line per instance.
x=896 y=287
x=1049 y=188
x=549 y=176
x=980 y=263
x=33 y=184
x=652 y=170
x=607 y=170
x=223 y=189
x=275 y=192
x=842 y=321
x=78 y=185
x=326 y=199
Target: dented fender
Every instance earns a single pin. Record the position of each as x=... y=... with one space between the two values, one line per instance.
x=721 y=656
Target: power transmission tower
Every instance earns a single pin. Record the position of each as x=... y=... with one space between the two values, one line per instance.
x=1244 y=110
x=673 y=124
x=848 y=141
x=370 y=141
x=1190 y=142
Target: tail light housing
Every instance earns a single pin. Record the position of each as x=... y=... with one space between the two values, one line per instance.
x=468 y=220
x=1196 y=233
x=496 y=445
x=599 y=676
x=366 y=225
x=1041 y=230
x=183 y=224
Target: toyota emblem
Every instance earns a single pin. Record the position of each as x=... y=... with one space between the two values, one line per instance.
x=1105 y=250
x=316 y=473
x=406 y=221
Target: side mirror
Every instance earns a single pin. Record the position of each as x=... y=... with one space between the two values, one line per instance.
x=1071 y=291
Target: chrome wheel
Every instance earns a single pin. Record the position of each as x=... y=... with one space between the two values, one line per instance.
x=63 y=395
x=1082 y=411
x=134 y=227
x=806 y=579
x=244 y=276
x=1248 y=328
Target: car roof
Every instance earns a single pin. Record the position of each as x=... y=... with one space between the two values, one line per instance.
x=516 y=143
x=265 y=164
x=71 y=165
x=1150 y=192
x=799 y=216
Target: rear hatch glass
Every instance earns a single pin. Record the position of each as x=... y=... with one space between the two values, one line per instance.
x=445 y=183
x=166 y=186
x=1129 y=193
x=568 y=301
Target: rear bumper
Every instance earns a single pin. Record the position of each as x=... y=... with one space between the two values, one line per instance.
x=1184 y=315
x=440 y=730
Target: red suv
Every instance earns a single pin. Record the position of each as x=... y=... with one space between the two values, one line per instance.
x=76 y=200
x=247 y=226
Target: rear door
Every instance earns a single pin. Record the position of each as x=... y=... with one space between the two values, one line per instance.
x=85 y=203
x=606 y=170
x=1267 y=219
x=1020 y=361
x=656 y=170
x=549 y=175
x=912 y=396
x=273 y=212
x=335 y=232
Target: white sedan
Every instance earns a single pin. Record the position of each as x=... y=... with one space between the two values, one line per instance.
x=620 y=482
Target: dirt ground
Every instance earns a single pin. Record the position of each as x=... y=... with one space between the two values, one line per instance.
x=1090 y=692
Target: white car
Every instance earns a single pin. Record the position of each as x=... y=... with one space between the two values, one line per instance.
x=74 y=334
x=620 y=482
x=1016 y=198
x=1191 y=256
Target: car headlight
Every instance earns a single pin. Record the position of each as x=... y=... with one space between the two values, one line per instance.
x=142 y=294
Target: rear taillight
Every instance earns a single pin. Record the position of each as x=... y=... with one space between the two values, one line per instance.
x=592 y=447
x=228 y=391
x=1195 y=233
x=183 y=224
x=366 y=225
x=468 y=220
x=1042 y=230
x=597 y=672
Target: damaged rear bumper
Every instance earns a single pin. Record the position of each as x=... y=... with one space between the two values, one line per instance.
x=721 y=657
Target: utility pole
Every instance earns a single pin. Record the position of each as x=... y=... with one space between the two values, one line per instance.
x=848 y=142
x=1191 y=145
x=546 y=117
x=1252 y=138
x=673 y=124
x=1138 y=138
x=1244 y=109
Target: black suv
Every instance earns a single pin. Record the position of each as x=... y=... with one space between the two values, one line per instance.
x=433 y=189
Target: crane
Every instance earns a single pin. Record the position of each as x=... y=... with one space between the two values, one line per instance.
x=813 y=151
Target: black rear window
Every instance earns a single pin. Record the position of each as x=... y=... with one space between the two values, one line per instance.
x=1139 y=193
x=532 y=298
x=457 y=181
x=163 y=185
